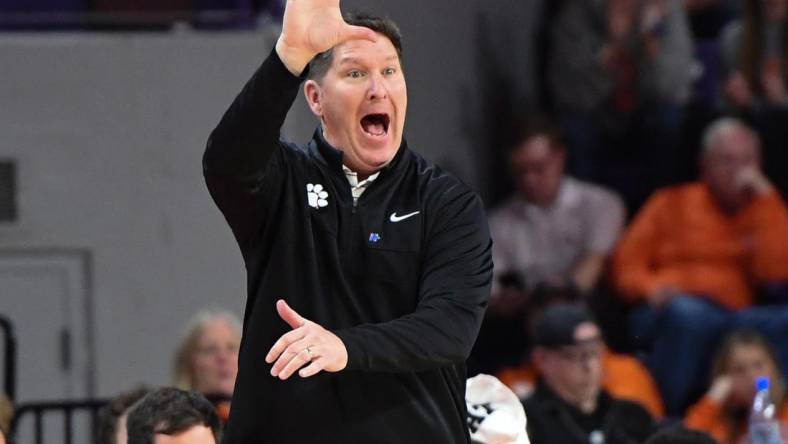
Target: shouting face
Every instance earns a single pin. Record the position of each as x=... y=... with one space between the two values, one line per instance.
x=361 y=102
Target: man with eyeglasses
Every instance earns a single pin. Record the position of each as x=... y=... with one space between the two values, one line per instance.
x=569 y=405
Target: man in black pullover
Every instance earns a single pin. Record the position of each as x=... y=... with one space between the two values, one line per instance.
x=368 y=268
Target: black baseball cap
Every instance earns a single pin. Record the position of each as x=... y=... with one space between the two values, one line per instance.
x=558 y=323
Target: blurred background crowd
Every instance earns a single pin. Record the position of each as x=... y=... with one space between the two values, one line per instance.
x=633 y=155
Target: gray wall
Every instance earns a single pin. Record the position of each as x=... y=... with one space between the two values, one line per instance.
x=108 y=130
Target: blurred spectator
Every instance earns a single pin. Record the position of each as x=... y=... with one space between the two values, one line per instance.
x=552 y=236
x=173 y=416
x=207 y=358
x=680 y=435
x=755 y=57
x=756 y=53
x=623 y=376
x=697 y=254
x=495 y=415
x=569 y=404
x=619 y=73
x=709 y=17
x=556 y=231
x=723 y=412
x=6 y=415
x=112 y=418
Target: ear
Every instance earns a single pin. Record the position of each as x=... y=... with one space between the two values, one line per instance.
x=314 y=97
x=540 y=359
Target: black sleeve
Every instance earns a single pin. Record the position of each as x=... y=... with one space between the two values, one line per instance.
x=239 y=161
x=453 y=291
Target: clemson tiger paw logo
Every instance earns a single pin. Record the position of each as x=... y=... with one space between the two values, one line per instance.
x=316 y=196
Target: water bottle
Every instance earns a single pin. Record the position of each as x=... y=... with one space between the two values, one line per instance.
x=764 y=428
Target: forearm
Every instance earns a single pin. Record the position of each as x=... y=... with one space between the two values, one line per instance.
x=240 y=149
x=248 y=133
x=436 y=335
x=587 y=271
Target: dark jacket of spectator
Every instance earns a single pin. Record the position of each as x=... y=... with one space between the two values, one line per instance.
x=553 y=421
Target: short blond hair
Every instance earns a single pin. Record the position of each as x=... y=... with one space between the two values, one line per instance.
x=182 y=368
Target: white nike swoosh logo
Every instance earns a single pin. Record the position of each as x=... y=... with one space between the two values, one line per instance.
x=395 y=218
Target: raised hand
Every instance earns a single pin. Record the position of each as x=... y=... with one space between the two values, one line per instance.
x=310 y=27
x=308 y=345
x=751 y=179
x=720 y=389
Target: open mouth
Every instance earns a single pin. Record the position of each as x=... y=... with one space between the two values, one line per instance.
x=375 y=124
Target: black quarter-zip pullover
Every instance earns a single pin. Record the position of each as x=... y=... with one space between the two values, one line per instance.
x=402 y=278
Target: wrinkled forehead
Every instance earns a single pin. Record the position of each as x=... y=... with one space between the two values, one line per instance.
x=364 y=52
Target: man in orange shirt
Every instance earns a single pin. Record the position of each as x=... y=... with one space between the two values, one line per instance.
x=697 y=255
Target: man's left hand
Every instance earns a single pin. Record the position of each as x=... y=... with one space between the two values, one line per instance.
x=752 y=179
x=308 y=345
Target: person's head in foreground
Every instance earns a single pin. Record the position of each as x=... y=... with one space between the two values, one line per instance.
x=743 y=357
x=568 y=353
x=680 y=435
x=357 y=90
x=6 y=413
x=537 y=161
x=112 y=418
x=207 y=358
x=730 y=163
x=173 y=416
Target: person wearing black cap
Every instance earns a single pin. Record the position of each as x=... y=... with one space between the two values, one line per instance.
x=569 y=405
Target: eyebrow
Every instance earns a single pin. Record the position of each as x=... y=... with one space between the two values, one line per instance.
x=357 y=61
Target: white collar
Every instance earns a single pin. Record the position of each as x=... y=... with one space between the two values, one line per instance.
x=352 y=178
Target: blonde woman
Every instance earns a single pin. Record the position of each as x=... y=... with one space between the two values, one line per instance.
x=207 y=358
